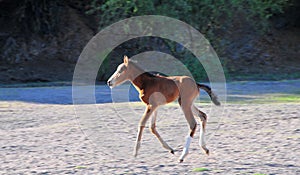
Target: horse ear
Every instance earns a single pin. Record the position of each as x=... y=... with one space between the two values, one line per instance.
x=126 y=60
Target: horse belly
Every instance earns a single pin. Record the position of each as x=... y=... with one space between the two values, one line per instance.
x=170 y=92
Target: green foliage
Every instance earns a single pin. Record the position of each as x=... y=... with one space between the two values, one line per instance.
x=40 y=16
x=286 y=98
x=80 y=167
x=204 y=15
x=194 y=66
x=104 y=68
x=261 y=11
x=200 y=169
x=210 y=17
x=111 y=11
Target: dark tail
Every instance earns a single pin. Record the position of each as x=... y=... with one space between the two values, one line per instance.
x=213 y=96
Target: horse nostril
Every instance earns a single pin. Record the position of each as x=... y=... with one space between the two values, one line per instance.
x=109 y=83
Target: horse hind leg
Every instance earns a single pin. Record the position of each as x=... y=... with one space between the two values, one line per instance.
x=152 y=128
x=192 y=124
x=203 y=119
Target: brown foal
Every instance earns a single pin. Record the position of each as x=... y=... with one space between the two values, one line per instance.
x=156 y=90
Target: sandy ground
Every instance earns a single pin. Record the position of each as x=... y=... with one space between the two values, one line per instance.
x=45 y=134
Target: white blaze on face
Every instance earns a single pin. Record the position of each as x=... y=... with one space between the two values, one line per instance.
x=113 y=80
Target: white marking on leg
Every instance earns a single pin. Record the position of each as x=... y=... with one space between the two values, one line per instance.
x=202 y=142
x=201 y=136
x=186 y=148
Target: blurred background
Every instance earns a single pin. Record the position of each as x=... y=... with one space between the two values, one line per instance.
x=41 y=40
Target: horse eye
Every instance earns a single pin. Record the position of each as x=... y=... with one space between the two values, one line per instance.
x=122 y=69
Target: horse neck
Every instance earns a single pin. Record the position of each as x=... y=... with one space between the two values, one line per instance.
x=138 y=76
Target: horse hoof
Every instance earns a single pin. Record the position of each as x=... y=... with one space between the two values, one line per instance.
x=180 y=160
x=205 y=150
x=172 y=151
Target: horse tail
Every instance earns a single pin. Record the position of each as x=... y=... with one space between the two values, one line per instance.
x=213 y=96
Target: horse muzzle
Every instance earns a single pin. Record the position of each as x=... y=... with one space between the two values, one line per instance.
x=109 y=83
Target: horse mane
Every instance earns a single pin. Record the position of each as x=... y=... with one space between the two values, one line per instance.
x=151 y=74
x=154 y=74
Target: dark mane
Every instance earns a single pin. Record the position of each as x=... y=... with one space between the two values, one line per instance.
x=149 y=74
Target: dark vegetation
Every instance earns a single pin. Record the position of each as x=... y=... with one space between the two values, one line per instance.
x=40 y=40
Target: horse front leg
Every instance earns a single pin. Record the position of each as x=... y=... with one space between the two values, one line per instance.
x=149 y=110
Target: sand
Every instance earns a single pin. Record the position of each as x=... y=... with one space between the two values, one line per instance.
x=60 y=138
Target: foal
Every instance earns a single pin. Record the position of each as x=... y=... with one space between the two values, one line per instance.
x=156 y=90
